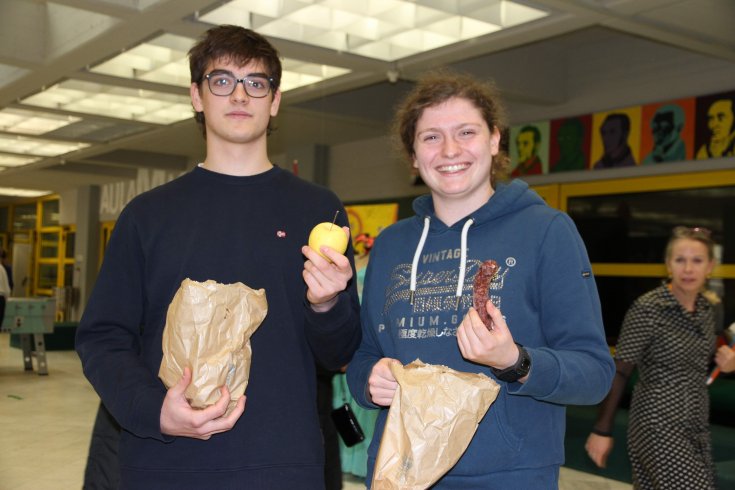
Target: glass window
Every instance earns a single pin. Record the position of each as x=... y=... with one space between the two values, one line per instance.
x=50 y=213
x=68 y=274
x=69 y=247
x=618 y=293
x=634 y=227
x=49 y=245
x=4 y=218
x=24 y=217
x=47 y=276
x=616 y=296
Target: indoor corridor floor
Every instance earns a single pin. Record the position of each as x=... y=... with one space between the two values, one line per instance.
x=46 y=421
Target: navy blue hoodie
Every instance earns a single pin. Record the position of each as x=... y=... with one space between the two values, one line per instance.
x=547 y=294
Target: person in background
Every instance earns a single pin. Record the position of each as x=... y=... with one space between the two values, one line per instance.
x=234 y=218
x=5 y=260
x=668 y=334
x=354 y=458
x=5 y=291
x=325 y=397
x=547 y=347
x=102 y=470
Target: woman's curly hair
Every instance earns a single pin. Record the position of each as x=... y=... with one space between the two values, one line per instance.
x=438 y=86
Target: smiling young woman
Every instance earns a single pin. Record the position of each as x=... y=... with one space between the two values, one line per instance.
x=418 y=293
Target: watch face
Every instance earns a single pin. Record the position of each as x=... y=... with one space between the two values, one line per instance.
x=525 y=362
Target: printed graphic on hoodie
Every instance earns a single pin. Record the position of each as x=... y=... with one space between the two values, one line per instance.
x=439 y=302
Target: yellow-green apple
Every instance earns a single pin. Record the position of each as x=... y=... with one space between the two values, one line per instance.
x=330 y=235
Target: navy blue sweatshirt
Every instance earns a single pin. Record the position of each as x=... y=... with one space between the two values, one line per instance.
x=201 y=226
x=545 y=289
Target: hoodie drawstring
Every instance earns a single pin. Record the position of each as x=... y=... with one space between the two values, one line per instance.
x=416 y=255
x=462 y=260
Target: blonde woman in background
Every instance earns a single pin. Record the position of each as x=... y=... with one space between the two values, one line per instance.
x=669 y=335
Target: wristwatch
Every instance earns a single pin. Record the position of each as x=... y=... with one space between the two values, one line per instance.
x=516 y=371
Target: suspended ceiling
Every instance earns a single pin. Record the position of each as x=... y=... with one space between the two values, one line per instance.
x=64 y=44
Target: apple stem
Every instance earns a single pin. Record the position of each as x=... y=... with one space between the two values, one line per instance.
x=334 y=220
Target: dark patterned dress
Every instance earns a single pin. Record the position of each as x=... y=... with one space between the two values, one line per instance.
x=668 y=433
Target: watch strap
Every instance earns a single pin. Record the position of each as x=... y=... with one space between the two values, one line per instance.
x=516 y=371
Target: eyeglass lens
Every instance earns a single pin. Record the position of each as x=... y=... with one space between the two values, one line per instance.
x=224 y=84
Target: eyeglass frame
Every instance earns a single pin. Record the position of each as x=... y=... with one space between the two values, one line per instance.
x=691 y=230
x=271 y=82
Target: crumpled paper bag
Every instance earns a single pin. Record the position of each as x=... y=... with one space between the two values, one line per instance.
x=208 y=328
x=433 y=417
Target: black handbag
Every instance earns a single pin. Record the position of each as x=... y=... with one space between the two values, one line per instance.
x=346 y=423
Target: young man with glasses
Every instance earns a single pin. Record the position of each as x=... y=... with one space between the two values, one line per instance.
x=235 y=218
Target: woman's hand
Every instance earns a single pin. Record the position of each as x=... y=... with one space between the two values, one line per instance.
x=599 y=448
x=494 y=348
x=725 y=359
x=382 y=385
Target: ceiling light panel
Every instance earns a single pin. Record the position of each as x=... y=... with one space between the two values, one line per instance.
x=23 y=145
x=111 y=101
x=23 y=121
x=16 y=160
x=162 y=60
x=165 y=60
x=12 y=191
x=383 y=29
x=300 y=73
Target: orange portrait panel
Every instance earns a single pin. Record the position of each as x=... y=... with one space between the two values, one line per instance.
x=667 y=131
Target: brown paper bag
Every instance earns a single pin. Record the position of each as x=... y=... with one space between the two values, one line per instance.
x=208 y=329
x=433 y=417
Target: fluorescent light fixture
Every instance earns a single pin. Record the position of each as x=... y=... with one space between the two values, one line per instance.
x=387 y=30
x=33 y=122
x=111 y=101
x=161 y=60
x=37 y=146
x=165 y=60
x=12 y=191
x=16 y=160
x=301 y=73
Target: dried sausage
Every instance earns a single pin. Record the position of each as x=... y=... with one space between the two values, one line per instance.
x=483 y=278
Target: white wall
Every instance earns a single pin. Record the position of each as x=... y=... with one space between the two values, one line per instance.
x=370 y=170
x=601 y=75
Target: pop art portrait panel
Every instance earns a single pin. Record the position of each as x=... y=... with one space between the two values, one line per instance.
x=616 y=138
x=570 y=141
x=667 y=131
x=529 y=149
x=715 y=126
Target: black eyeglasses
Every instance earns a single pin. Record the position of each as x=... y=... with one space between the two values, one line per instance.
x=223 y=83
x=686 y=231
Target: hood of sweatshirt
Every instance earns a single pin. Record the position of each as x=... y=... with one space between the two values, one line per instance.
x=507 y=199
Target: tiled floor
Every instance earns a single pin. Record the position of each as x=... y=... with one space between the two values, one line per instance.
x=569 y=480
x=45 y=424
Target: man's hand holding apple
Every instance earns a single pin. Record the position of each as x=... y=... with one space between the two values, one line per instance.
x=326 y=270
